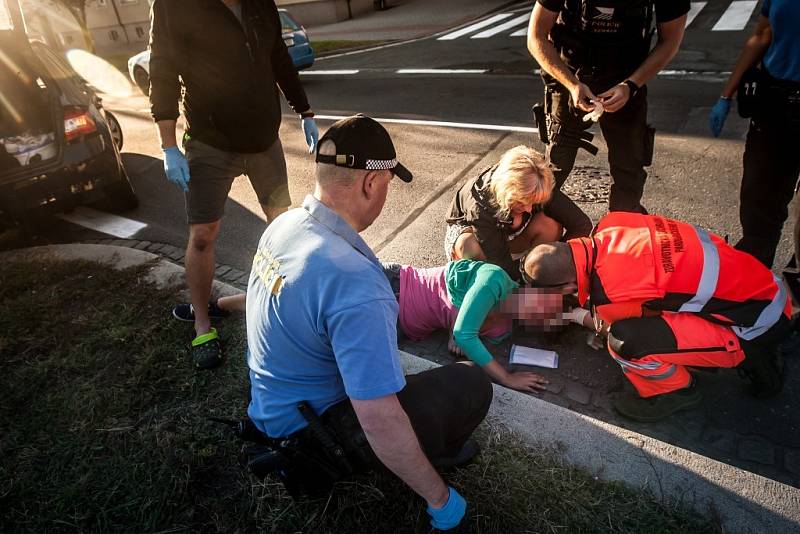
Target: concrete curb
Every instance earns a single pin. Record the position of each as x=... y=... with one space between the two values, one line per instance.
x=740 y=500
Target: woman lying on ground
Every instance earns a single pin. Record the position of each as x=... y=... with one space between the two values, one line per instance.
x=468 y=298
x=509 y=208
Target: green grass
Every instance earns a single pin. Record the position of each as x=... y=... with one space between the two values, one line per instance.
x=325 y=47
x=104 y=429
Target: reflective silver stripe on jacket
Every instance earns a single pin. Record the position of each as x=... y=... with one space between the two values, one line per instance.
x=708 y=285
x=646 y=366
x=769 y=315
x=709 y=276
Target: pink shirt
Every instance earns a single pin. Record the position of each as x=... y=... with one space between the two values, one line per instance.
x=425 y=306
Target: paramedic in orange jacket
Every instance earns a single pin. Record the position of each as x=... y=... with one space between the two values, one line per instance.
x=674 y=296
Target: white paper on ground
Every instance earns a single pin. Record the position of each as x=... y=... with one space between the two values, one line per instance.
x=522 y=355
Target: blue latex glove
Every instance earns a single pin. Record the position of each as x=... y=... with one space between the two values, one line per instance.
x=311 y=132
x=449 y=515
x=176 y=167
x=716 y=119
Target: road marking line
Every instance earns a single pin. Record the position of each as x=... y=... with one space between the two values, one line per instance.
x=104 y=222
x=474 y=27
x=736 y=16
x=695 y=10
x=446 y=124
x=520 y=33
x=441 y=71
x=507 y=25
x=330 y=72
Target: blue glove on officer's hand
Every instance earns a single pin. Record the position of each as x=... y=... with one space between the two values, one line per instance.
x=311 y=132
x=176 y=167
x=716 y=120
x=449 y=515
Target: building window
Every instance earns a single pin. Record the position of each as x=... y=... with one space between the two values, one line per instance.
x=139 y=31
x=102 y=3
x=113 y=35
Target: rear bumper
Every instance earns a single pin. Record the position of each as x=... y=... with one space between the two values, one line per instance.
x=302 y=57
x=61 y=188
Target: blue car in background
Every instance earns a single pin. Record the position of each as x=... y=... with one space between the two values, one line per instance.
x=294 y=35
x=296 y=39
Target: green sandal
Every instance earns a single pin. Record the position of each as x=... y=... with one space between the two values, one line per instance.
x=207 y=350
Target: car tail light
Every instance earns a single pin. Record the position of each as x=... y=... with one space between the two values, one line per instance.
x=77 y=122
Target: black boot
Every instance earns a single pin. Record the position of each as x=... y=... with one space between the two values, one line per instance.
x=763 y=366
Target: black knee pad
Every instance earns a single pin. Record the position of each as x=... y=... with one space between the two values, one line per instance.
x=633 y=338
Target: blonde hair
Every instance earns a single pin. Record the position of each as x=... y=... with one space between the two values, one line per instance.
x=521 y=177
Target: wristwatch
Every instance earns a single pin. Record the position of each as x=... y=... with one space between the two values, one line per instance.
x=632 y=86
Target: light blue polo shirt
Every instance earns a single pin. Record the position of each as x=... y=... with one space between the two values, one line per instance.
x=782 y=58
x=321 y=320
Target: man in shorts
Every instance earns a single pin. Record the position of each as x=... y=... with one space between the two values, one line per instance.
x=229 y=59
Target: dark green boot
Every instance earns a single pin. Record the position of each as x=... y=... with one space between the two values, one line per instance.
x=652 y=409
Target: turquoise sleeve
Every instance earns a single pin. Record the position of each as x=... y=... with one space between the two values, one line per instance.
x=484 y=294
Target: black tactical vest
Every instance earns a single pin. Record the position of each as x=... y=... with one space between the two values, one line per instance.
x=609 y=38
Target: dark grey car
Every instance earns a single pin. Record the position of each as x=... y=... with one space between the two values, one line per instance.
x=58 y=147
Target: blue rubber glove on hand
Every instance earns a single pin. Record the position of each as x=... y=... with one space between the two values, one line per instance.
x=716 y=120
x=311 y=132
x=176 y=167
x=449 y=515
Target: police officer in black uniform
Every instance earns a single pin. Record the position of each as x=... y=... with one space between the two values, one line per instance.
x=599 y=51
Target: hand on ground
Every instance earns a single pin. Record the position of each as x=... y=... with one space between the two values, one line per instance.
x=528 y=382
x=453 y=348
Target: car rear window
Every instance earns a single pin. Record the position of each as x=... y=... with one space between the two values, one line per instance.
x=288 y=24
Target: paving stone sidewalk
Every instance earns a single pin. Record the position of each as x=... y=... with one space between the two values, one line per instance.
x=761 y=436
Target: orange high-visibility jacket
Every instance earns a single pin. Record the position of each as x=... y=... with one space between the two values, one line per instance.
x=636 y=265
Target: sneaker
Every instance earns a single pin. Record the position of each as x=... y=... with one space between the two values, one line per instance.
x=652 y=409
x=764 y=368
x=468 y=452
x=185 y=312
x=207 y=350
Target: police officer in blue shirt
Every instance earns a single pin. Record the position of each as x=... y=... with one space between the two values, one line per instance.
x=771 y=155
x=322 y=340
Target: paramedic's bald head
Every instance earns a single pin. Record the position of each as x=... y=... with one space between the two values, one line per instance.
x=550 y=265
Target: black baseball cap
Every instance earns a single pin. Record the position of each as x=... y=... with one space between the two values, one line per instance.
x=362 y=143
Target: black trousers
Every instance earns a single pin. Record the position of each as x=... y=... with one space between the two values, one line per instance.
x=445 y=405
x=629 y=140
x=770 y=172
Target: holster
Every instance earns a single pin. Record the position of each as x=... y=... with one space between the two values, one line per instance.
x=310 y=461
x=558 y=132
x=540 y=119
x=563 y=135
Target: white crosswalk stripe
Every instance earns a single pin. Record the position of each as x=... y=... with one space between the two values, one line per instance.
x=513 y=23
x=695 y=10
x=736 y=16
x=474 y=27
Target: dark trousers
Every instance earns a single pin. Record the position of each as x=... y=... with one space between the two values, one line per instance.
x=629 y=140
x=445 y=405
x=770 y=173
